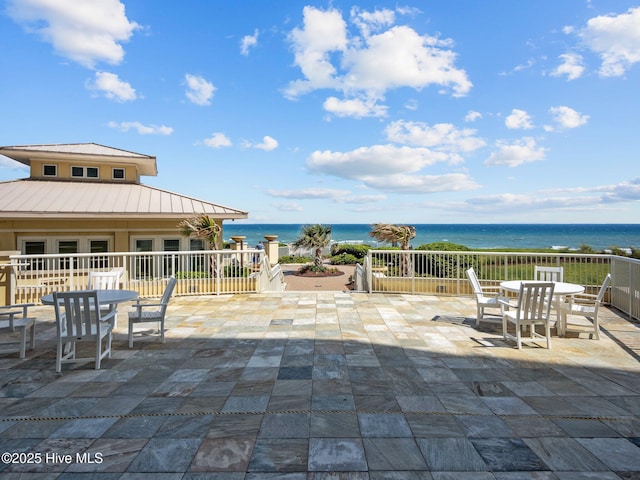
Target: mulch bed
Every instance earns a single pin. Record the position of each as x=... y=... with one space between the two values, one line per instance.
x=319 y=274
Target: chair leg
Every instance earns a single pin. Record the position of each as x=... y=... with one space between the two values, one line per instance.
x=519 y=336
x=108 y=349
x=98 y=353
x=23 y=342
x=33 y=336
x=59 y=350
x=479 y=311
x=162 y=331
x=130 y=334
x=547 y=331
x=596 y=327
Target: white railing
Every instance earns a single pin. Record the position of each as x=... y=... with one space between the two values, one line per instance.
x=443 y=272
x=625 y=285
x=360 y=276
x=271 y=278
x=202 y=272
x=394 y=271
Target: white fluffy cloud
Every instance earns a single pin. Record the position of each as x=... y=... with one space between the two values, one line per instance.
x=518 y=119
x=623 y=192
x=567 y=117
x=310 y=193
x=85 y=32
x=443 y=137
x=374 y=161
x=141 y=128
x=199 y=90
x=401 y=183
x=217 y=140
x=472 y=116
x=247 y=42
x=109 y=85
x=369 y=64
x=356 y=108
x=571 y=66
x=268 y=143
x=616 y=38
x=390 y=168
x=517 y=153
x=374 y=21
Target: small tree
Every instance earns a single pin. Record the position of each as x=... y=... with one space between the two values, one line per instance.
x=205 y=228
x=396 y=234
x=315 y=237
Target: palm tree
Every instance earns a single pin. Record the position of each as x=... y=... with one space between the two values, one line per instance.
x=316 y=237
x=205 y=228
x=396 y=234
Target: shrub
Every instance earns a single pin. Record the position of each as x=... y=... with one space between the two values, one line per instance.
x=444 y=247
x=294 y=259
x=358 y=250
x=315 y=269
x=441 y=266
x=345 y=259
x=191 y=275
x=235 y=271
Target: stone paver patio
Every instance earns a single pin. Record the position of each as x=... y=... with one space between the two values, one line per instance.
x=326 y=385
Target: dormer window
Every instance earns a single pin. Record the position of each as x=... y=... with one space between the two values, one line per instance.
x=118 y=173
x=49 y=171
x=85 y=172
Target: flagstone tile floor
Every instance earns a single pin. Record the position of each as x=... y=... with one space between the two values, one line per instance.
x=326 y=385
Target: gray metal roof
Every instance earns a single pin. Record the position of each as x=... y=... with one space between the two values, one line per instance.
x=28 y=198
x=89 y=151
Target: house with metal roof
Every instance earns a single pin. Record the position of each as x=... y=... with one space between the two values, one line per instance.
x=87 y=198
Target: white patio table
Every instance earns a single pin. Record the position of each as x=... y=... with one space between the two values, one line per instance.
x=105 y=297
x=560 y=291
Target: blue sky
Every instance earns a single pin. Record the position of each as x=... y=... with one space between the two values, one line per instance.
x=468 y=111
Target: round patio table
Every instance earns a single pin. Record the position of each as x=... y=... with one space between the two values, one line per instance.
x=105 y=297
x=560 y=290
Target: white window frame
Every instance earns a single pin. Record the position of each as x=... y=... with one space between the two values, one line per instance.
x=55 y=167
x=113 y=174
x=159 y=268
x=84 y=171
x=51 y=242
x=157 y=242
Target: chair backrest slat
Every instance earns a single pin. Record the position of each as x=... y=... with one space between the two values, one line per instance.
x=549 y=274
x=75 y=312
x=168 y=291
x=475 y=283
x=104 y=280
x=603 y=288
x=534 y=303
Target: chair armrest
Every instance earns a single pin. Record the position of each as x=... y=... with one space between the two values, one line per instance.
x=109 y=316
x=143 y=305
x=15 y=309
x=505 y=302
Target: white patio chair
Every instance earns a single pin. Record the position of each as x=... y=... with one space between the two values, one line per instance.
x=78 y=321
x=105 y=281
x=145 y=312
x=549 y=274
x=532 y=308
x=15 y=318
x=484 y=299
x=584 y=305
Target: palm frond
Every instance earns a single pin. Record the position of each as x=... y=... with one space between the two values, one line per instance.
x=391 y=233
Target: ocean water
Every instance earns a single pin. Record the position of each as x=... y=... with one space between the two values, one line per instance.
x=475 y=236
